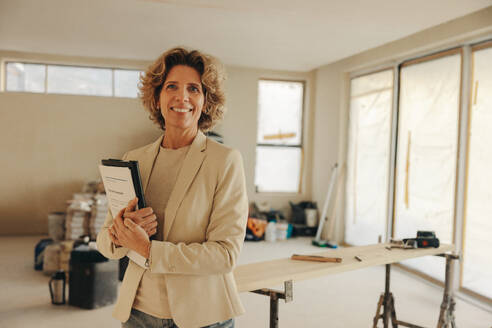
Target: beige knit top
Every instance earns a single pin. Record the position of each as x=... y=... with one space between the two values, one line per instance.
x=151 y=296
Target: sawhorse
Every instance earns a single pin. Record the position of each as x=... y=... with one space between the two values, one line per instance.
x=275 y=295
x=387 y=302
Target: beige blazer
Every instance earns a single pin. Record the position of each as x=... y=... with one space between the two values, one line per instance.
x=204 y=227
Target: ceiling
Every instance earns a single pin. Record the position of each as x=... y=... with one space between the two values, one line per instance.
x=274 y=34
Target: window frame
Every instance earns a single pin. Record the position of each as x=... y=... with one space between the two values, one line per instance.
x=300 y=145
x=5 y=61
x=460 y=125
x=467 y=80
x=465 y=48
x=391 y=142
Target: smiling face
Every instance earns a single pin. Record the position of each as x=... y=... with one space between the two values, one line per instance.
x=181 y=99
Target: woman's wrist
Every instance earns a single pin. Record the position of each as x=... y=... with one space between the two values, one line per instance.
x=145 y=252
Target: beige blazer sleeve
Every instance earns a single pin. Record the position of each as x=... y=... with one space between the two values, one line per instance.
x=224 y=234
x=104 y=244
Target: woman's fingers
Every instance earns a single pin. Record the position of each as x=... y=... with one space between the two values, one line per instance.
x=130 y=224
x=147 y=223
x=151 y=231
x=151 y=228
x=130 y=207
x=112 y=231
x=151 y=225
x=119 y=230
x=127 y=223
x=148 y=220
x=140 y=215
x=118 y=220
x=114 y=238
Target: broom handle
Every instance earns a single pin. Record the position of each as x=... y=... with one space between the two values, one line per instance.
x=322 y=219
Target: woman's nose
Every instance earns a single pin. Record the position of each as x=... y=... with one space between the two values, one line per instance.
x=183 y=95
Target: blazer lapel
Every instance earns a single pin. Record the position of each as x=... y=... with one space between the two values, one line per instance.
x=191 y=165
x=146 y=163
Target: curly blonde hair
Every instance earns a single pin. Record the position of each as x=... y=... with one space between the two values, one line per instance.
x=212 y=76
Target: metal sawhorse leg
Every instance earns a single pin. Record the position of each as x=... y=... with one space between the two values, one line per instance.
x=446 y=315
x=275 y=295
x=387 y=302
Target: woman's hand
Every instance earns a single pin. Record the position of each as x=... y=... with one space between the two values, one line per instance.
x=112 y=235
x=128 y=234
x=144 y=217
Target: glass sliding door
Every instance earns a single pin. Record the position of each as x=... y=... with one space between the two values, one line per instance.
x=477 y=261
x=368 y=158
x=426 y=158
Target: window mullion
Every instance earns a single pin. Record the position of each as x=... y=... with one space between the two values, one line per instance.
x=45 y=79
x=112 y=83
x=393 y=150
x=463 y=142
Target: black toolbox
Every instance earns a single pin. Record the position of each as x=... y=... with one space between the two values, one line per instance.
x=302 y=230
x=93 y=281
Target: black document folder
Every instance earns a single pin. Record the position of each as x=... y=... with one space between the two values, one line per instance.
x=135 y=173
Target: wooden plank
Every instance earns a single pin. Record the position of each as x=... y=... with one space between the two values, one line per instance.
x=315 y=258
x=273 y=273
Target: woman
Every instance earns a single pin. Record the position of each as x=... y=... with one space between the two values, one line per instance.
x=197 y=205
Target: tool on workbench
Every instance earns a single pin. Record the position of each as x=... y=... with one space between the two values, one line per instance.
x=394 y=243
x=425 y=239
x=317 y=240
x=316 y=258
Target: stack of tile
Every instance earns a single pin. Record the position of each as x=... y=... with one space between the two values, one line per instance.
x=56 y=225
x=65 y=250
x=98 y=214
x=51 y=261
x=78 y=214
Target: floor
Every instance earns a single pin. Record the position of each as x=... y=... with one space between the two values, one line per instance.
x=342 y=300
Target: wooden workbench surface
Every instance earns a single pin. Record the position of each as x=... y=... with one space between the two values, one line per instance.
x=272 y=273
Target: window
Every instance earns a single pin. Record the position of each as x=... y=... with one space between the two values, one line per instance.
x=368 y=158
x=279 y=138
x=79 y=80
x=126 y=83
x=426 y=158
x=438 y=116
x=25 y=77
x=74 y=80
x=477 y=267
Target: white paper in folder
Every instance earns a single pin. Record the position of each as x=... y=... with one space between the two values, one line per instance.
x=119 y=187
x=120 y=190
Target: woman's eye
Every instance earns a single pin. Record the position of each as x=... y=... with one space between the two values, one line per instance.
x=171 y=86
x=194 y=89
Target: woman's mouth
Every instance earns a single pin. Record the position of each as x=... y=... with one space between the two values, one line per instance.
x=181 y=110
